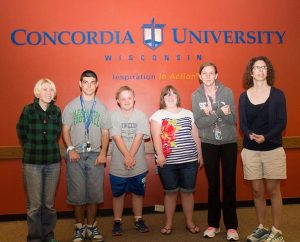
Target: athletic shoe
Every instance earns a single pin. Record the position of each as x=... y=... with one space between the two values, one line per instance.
x=232 y=235
x=258 y=235
x=275 y=237
x=141 y=226
x=80 y=232
x=93 y=233
x=211 y=232
x=117 y=228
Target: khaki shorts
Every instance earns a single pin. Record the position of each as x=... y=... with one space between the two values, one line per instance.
x=269 y=164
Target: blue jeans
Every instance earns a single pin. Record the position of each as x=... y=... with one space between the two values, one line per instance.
x=182 y=176
x=40 y=183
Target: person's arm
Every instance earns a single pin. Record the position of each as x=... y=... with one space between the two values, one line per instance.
x=195 y=135
x=142 y=132
x=22 y=127
x=155 y=128
x=72 y=153
x=102 y=159
x=280 y=116
x=59 y=126
x=136 y=144
x=202 y=118
x=243 y=116
x=128 y=158
x=228 y=111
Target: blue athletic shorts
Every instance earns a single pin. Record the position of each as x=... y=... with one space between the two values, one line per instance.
x=121 y=185
x=175 y=177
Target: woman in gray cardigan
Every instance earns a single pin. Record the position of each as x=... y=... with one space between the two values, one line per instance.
x=215 y=116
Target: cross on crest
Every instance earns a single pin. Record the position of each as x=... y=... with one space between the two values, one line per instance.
x=153 y=34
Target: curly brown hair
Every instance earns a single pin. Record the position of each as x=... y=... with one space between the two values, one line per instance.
x=248 y=78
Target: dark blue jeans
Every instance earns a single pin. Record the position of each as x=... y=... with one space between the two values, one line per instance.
x=182 y=176
x=40 y=183
x=213 y=156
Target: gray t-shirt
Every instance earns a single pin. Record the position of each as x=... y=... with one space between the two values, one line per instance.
x=128 y=128
x=73 y=117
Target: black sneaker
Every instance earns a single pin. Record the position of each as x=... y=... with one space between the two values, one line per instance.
x=117 y=228
x=141 y=226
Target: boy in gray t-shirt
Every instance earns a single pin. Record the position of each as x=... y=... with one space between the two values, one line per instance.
x=128 y=166
x=86 y=123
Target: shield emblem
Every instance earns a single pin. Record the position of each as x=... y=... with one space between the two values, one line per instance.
x=153 y=34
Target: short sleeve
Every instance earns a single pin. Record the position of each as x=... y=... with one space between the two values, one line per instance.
x=115 y=128
x=157 y=116
x=143 y=125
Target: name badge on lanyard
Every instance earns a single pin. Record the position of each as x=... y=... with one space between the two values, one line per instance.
x=87 y=122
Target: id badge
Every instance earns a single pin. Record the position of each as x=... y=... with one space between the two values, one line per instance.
x=88 y=146
x=218 y=134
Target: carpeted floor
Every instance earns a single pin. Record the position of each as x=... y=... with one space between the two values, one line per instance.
x=16 y=231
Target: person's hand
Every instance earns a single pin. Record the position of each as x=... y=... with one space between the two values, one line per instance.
x=73 y=156
x=258 y=138
x=226 y=109
x=101 y=159
x=160 y=160
x=129 y=161
x=208 y=110
x=200 y=161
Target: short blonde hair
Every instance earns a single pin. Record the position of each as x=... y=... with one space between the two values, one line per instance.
x=124 y=88
x=38 y=87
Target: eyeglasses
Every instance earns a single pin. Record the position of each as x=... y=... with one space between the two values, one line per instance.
x=258 y=68
x=86 y=83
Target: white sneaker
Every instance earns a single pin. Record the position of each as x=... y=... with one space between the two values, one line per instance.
x=259 y=234
x=275 y=236
x=211 y=232
x=80 y=232
x=232 y=235
x=93 y=233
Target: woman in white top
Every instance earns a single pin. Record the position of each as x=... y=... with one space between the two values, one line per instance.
x=178 y=156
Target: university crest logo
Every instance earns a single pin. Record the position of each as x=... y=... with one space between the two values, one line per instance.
x=153 y=34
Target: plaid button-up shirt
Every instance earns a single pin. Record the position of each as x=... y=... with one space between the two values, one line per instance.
x=39 y=131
